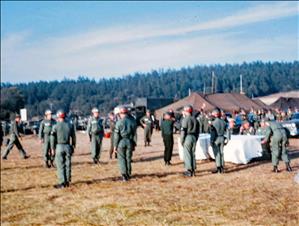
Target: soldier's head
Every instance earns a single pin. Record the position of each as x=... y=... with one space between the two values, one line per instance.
x=216 y=113
x=167 y=115
x=123 y=111
x=111 y=116
x=17 y=117
x=246 y=124
x=188 y=109
x=60 y=115
x=231 y=123
x=95 y=112
x=148 y=113
x=48 y=114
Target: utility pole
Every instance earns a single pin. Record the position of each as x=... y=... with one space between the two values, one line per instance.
x=213 y=83
x=204 y=88
x=241 y=84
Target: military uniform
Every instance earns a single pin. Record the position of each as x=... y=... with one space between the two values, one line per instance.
x=61 y=135
x=266 y=155
x=112 y=127
x=124 y=134
x=167 y=135
x=44 y=134
x=217 y=142
x=148 y=129
x=189 y=135
x=279 y=140
x=95 y=130
x=14 y=140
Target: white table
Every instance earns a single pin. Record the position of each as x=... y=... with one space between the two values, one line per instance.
x=240 y=149
x=202 y=147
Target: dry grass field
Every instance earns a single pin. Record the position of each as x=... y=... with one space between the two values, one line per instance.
x=157 y=194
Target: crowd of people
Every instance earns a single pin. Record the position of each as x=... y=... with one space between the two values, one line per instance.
x=58 y=137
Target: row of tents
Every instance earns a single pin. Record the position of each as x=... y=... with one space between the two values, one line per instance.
x=229 y=102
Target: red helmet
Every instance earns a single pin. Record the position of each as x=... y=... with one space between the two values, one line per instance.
x=188 y=108
x=123 y=110
x=60 y=114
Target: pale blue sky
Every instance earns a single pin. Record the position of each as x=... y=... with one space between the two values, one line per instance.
x=53 y=40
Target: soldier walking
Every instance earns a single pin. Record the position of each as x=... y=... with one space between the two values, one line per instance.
x=95 y=130
x=189 y=135
x=63 y=142
x=167 y=135
x=124 y=134
x=218 y=129
x=44 y=136
x=14 y=139
x=148 y=125
x=279 y=141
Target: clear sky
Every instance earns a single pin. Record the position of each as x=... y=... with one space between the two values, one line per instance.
x=53 y=40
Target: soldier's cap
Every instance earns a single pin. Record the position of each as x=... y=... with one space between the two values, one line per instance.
x=95 y=110
x=48 y=112
x=188 y=108
x=168 y=113
x=60 y=114
x=123 y=110
x=17 y=115
x=216 y=111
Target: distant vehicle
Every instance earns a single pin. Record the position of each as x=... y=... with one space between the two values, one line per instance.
x=292 y=125
x=31 y=127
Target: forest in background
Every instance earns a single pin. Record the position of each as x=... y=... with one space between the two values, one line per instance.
x=80 y=95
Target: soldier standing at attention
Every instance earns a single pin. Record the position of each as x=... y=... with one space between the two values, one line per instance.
x=147 y=124
x=14 y=139
x=44 y=136
x=124 y=134
x=279 y=143
x=167 y=135
x=189 y=135
x=218 y=129
x=112 y=126
x=95 y=130
x=63 y=150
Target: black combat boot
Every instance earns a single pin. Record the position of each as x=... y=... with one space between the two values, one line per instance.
x=289 y=168
x=59 y=186
x=124 y=177
x=95 y=161
x=46 y=164
x=26 y=156
x=4 y=158
x=188 y=173
x=275 y=169
x=52 y=163
x=218 y=170
x=193 y=173
x=222 y=169
x=66 y=184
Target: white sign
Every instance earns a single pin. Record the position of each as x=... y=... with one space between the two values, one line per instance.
x=23 y=113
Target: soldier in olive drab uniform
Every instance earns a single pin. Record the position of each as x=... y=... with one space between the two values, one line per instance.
x=279 y=142
x=61 y=136
x=124 y=134
x=246 y=129
x=218 y=129
x=44 y=136
x=147 y=124
x=189 y=135
x=112 y=126
x=167 y=135
x=14 y=139
x=262 y=131
x=95 y=130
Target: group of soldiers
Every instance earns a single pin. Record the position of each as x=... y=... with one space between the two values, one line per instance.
x=59 y=138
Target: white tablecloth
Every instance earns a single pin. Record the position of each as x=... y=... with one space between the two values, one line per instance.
x=202 y=147
x=240 y=149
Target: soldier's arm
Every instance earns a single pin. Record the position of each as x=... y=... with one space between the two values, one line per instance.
x=267 y=136
x=73 y=135
x=183 y=131
x=40 y=132
x=88 y=130
x=15 y=129
x=53 y=138
x=116 y=135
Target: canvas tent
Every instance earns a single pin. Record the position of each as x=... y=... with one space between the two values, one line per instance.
x=226 y=101
x=232 y=101
x=195 y=99
x=284 y=103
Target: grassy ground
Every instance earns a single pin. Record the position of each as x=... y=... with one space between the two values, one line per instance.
x=157 y=195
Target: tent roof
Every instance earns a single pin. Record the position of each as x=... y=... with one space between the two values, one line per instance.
x=285 y=102
x=232 y=101
x=195 y=99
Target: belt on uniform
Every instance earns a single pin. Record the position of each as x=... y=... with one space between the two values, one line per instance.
x=62 y=143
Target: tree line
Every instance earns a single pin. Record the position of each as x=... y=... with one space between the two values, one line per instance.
x=80 y=95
